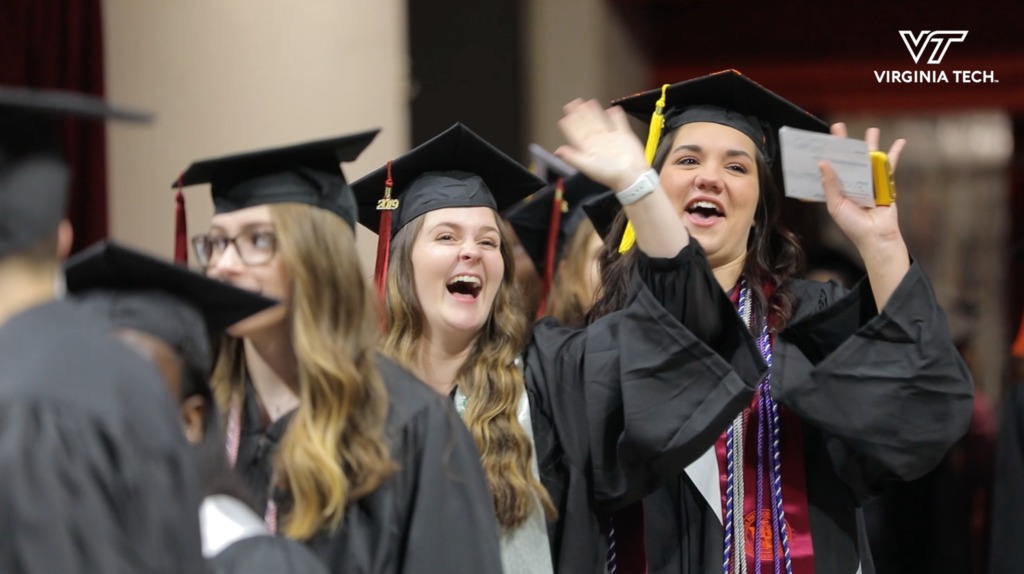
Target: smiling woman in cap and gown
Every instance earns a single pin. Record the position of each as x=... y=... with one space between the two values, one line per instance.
x=90 y=449
x=863 y=386
x=571 y=424
x=342 y=448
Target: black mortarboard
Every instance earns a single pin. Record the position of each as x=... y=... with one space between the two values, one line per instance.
x=602 y=210
x=308 y=173
x=34 y=178
x=728 y=98
x=532 y=217
x=178 y=306
x=457 y=168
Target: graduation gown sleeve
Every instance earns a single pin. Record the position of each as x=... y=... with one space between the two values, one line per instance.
x=266 y=555
x=888 y=391
x=628 y=402
x=879 y=396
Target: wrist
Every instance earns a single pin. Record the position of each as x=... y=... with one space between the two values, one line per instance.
x=643 y=184
x=628 y=178
x=880 y=251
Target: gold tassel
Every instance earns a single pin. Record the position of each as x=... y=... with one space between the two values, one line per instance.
x=653 y=137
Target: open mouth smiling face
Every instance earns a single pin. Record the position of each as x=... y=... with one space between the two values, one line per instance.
x=465 y=287
x=711 y=175
x=458 y=267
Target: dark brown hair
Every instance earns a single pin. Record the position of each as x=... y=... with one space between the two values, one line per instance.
x=774 y=255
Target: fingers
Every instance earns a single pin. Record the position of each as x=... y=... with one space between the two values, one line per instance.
x=619 y=119
x=601 y=144
x=580 y=122
x=572 y=105
x=871 y=137
x=569 y=155
x=583 y=120
x=833 y=189
x=895 y=151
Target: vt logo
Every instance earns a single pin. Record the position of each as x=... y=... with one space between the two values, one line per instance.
x=916 y=44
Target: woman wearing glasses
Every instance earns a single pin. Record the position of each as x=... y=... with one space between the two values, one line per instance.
x=340 y=446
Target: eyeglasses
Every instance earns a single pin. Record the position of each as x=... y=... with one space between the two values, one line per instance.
x=254 y=247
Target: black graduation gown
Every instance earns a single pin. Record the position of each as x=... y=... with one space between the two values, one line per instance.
x=96 y=473
x=235 y=541
x=433 y=515
x=1006 y=553
x=266 y=555
x=880 y=396
x=612 y=421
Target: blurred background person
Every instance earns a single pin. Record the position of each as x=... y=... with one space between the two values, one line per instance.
x=563 y=246
x=90 y=449
x=167 y=314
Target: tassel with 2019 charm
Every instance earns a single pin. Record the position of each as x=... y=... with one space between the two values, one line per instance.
x=385 y=205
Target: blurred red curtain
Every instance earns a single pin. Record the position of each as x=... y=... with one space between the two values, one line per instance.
x=58 y=44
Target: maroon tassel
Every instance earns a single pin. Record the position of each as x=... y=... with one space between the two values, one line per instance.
x=380 y=270
x=180 y=228
x=551 y=250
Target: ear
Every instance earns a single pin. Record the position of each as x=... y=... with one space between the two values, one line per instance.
x=65 y=237
x=193 y=415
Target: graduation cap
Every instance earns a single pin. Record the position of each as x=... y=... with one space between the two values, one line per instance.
x=547 y=165
x=728 y=98
x=546 y=220
x=601 y=210
x=456 y=168
x=179 y=306
x=307 y=173
x=34 y=178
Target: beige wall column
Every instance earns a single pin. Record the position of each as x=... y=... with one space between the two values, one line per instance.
x=576 y=48
x=230 y=75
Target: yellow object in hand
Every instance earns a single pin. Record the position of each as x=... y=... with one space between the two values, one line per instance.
x=881 y=174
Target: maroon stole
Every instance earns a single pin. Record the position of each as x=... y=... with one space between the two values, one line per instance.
x=794 y=489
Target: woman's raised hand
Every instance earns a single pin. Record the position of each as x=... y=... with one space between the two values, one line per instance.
x=867 y=227
x=875 y=231
x=601 y=144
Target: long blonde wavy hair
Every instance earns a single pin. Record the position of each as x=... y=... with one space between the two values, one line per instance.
x=334 y=451
x=489 y=378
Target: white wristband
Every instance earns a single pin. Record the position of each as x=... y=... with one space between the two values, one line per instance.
x=644 y=185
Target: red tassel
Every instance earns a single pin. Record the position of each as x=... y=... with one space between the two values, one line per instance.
x=180 y=228
x=380 y=270
x=551 y=250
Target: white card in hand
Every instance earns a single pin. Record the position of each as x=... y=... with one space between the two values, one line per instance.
x=801 y=152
